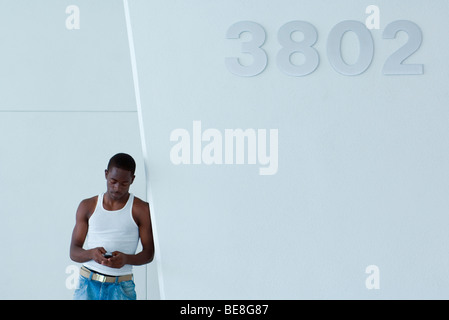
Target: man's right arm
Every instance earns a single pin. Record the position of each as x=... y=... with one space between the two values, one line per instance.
x=77 y=253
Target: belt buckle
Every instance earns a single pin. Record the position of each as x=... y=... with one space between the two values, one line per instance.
x=101 y=278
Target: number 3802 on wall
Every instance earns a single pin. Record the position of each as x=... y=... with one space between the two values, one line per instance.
x=394 y=64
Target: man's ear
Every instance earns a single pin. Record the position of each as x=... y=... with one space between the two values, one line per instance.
x=132 y=180
x=106 y=174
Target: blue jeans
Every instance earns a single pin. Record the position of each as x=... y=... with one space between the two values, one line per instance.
x=95 y=290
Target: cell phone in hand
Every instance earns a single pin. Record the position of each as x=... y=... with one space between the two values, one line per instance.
x=107 y=255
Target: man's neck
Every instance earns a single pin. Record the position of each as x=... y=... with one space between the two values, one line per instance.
x=109 y=203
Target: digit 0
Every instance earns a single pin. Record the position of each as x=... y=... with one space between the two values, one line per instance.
x=334 y=48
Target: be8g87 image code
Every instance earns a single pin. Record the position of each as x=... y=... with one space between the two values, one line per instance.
x=242 y=309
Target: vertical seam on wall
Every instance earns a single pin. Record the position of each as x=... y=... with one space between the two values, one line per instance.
x=157 y=256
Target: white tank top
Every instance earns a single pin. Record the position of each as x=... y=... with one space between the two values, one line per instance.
x=114 y=231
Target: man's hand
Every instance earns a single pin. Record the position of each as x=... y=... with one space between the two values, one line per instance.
x=97 y=255
x=118 y=260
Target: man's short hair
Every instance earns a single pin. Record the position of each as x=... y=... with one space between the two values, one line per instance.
x=122 y=161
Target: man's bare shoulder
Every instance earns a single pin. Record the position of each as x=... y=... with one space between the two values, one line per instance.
x=140 y=208
x=139 y=204
x=89 y=201
x=87 y=206
x=140 y=211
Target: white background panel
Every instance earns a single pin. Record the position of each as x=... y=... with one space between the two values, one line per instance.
x=45 y=66
x=363 y=160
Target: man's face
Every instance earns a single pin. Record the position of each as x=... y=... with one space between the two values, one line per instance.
x=118 y=182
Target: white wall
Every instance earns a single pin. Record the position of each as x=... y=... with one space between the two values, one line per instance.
x=363 y=160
